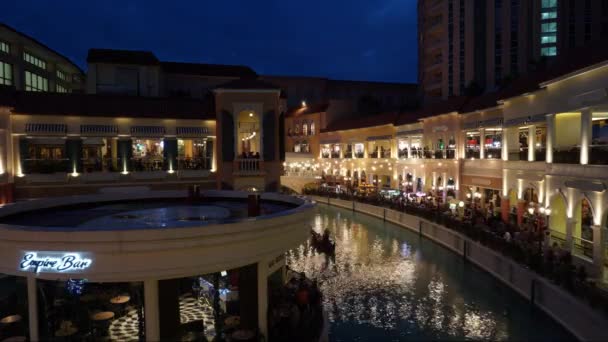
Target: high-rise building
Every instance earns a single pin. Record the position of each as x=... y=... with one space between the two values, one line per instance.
x=482 y=44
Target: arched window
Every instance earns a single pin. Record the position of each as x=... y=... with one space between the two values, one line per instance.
x=304 y=148
x=297 y=147
x=297 y=130
x=312 y=128
x=304 y=128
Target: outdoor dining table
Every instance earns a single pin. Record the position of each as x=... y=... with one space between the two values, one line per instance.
x=102 y=316
x=10 y=319
x=120 y=299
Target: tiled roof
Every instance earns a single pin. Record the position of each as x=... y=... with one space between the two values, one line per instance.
x=111 y=56
x=309 y=109
x=361 y=122
x=208 y=69
x=105 y=105
x=248 y=83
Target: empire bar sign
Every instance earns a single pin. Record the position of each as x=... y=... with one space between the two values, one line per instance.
x=54 y=262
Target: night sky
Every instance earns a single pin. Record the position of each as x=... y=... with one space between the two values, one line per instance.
x=371 y=40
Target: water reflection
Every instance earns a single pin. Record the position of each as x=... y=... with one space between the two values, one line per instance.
x=385 y=282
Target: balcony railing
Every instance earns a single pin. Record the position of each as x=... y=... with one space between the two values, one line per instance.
x=438 y=154
x=402 y=153
x=386 y=153
x=148 y=164
x=325 y=155
x=335 y=154
x=598 y=154
x=46 y=166
x=450 y=153
x=248 y=166
x=567 y=155
x=472 y=153
x=428 y=154
x=359 y=154
x=348 y=154
x=493 y=153
x=203 y=163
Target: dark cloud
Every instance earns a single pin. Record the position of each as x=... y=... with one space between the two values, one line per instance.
x=356 y=39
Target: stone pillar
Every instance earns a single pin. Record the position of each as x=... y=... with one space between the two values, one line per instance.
x=263 y=298
x=598 y=249
x=550 y=137
x=505 y=143
x=444 y=184
x=570 y=223
x=32 y=308
x=531 y=142
x=73 y=148
x=151 y=310
x=482 y=143
x=170 y=154
x=585 y=135
x=125 y=152
x=409 y=147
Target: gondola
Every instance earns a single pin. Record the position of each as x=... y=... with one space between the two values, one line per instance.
x=322 y=245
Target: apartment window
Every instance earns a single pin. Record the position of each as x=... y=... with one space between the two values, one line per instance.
x=549 y=27
x=549 y=3
x=548 y=51
x=34 y=60
x=548 y=38
x=548 y=15
x=35 y=82
x=62 y=75
x=62 y=89
x=4 y=47
x=6 y=74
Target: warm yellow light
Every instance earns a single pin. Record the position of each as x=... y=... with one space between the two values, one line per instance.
x=303 y=103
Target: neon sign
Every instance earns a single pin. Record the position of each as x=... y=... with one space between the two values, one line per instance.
x=54 y=262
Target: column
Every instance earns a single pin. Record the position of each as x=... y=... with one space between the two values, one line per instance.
x=550 y=137
x=505 y=143
x=125 y=152
x=585 y=135
x=170 y=154
x=598 y=249
x=444 y=184
x=73 y=149
x=409 y=147
x=263 y=297
x=531 y=142
x=151 y=310
x=32 y=308
x=482 y=143
x=570 y=223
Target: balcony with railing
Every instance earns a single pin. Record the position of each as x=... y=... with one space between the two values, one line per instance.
x=598 y=154
x=567 y=155
x=472 y=153
x=248 y=166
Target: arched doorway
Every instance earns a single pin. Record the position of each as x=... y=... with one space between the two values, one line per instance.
x=558 y=220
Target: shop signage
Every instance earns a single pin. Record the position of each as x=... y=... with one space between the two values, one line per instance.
x=54 y=262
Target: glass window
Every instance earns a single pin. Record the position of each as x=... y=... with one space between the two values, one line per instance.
x=549 y=27
x=13 y=307
x=6 y=74
x=62 y=75
x=193 y=154
x=305 y=128
x=4 y=47
x=549 y=3
x=548 y=15
x=61 y=89
x=312 y=128
x=359 y=150
x=548 y=39
x=148 y=154
x=34 y=60
x=548 y=51
x=35 y=82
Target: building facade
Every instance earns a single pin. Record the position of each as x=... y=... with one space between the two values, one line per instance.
x=27 y=64
x=479 y=44
x=536 y=148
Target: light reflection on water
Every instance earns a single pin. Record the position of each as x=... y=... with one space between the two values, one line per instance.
x=386 y=283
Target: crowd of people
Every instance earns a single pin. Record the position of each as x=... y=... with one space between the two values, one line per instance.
x=529 y=244
x=296 y=311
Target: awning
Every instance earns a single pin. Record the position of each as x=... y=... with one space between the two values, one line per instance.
x=93 y=141
x=329 y=141
x=484 y=123
x=585 y=185
x=35 y=128
x=526 y=120
x=416 y=131
x=192 y=131
x=99 y=129
x=148 y=130
x=379 y=137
